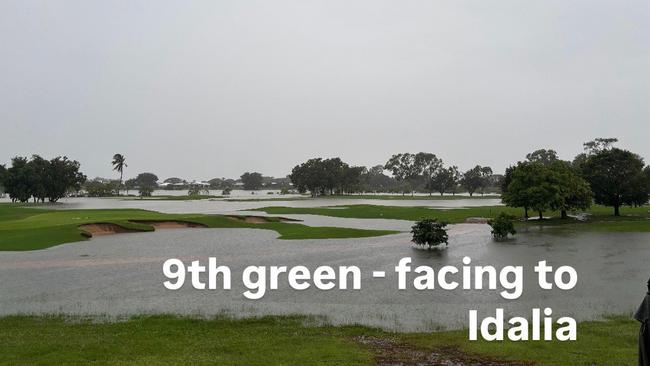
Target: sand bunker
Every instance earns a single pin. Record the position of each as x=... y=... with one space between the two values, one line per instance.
x=171 y=224
x=99 y=229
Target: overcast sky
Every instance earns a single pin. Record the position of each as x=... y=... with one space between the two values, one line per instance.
x=203 y=89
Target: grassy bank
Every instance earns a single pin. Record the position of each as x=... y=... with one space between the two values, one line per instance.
x=434 y=197
x=28 y=228
x=636 y=219
x=285 y=341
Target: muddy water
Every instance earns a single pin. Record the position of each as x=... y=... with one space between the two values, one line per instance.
x=122 y=274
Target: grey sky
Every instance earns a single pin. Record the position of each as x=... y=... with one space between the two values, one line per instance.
x=203 y=89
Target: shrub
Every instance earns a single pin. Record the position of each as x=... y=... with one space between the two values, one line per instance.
x=429 y=232
x=502 y=225
x=226 y=192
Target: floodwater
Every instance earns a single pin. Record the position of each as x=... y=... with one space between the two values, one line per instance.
x=222 y=206
x=122 y=275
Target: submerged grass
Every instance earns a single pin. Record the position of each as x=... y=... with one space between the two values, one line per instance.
x=29 y=227
x=279 y=341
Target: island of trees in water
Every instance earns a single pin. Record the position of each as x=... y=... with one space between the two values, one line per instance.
x=602 y=174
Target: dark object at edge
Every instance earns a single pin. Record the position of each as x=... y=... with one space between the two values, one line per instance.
x=643 y=316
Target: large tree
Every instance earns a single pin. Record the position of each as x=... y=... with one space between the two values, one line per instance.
x=147 y=183
x=531 y=187
x=252 y=181
x=119 y=163
x=404 y=169
x=616 y=178
x=542 y=156
x=476 y=178
x=444 y=180
x=574 y=192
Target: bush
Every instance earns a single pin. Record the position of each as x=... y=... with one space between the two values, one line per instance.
x=429 y=232
x=226 y=192
x=502 y=225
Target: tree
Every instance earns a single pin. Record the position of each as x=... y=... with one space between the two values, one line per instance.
x=476 y=178
x=403 y=168
x=63 y=175
x=574 y=192
x=599 y=145
x=130 y=184
x=197 y=190
x=17 y=180
x=542 y=156
x=351 y=179
x=444 y=180
x=616 y=178
x=252 y=181
x=429 y=232
x=146 y=183
x=3 y=176
x=502 y=225
x=531 y=187
x=119 y=163
x=374 y=180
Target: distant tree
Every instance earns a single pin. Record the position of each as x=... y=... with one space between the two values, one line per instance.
x=130 y=184
x=99 y=188
x=599 y=145
x=3 y=176
x=226 y=191
x=146 y=183
x=444 y=180
x=574 y=192
x=476 y=179
x=542 y=156
x=174 y=180
x=197 y=190
x=17 y=180
x=646 y=172
x=309 y=176
x=531 y=187
x=374 y=180
x=351 y=179
x=63 y=176
x=429 y=232
x=252 y=181
x=119 y=163
x=408 y=168
x=38 y=170
x=616 y=178
x=502 y=226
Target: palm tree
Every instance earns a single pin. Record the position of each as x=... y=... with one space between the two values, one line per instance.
x=119 y=163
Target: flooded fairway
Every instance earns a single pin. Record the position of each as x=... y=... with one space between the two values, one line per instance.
x=122 y=275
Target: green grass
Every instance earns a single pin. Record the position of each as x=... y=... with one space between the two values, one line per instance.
x=635 y=219
x=610 y=342
x=400 y=197
x=277 y=341
x=28 y=228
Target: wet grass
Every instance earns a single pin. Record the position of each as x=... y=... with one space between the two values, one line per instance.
x=433 y=197
x=24 y=227
x=278 y=341
x=600 y=218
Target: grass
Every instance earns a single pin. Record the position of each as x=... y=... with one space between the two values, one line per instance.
x=29 y=228
x=632 y=219
x=433 y=197
x=277 y=341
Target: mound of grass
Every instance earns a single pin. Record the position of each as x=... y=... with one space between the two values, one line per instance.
x=632 y=219
x=284 y=341
x=27 y=228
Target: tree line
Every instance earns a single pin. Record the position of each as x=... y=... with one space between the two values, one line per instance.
x=40 y=179
x=423 y=172
x=602 y=174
